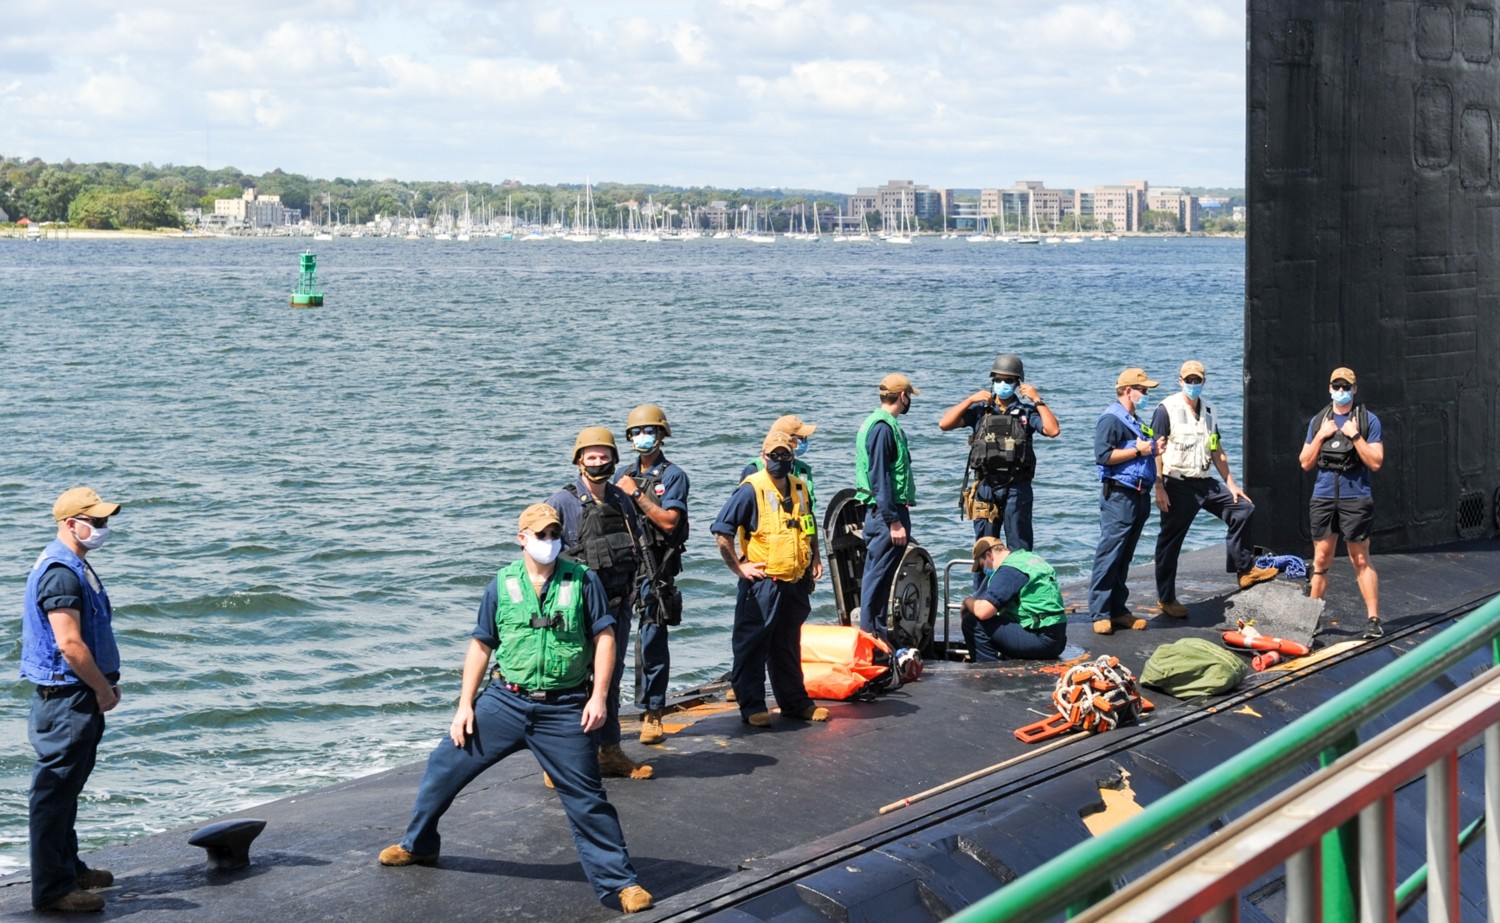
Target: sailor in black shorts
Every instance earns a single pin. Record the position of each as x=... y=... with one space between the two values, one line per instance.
x=1344 y=445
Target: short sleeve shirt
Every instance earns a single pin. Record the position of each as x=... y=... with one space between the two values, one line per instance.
x=595 y=609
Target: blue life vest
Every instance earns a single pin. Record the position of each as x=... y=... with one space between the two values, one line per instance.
x=1135 y=473
x=41 y=660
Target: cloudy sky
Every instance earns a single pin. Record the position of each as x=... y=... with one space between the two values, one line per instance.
x=821 y=94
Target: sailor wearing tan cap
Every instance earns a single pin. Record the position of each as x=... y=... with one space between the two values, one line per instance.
x=1344 y=443
x=1185 y=484
x=791 y=423
x=883 y=481
x=548 y=623
x=777 y=563
x=1125 y=453
x=68 y=653
x=1018 y=611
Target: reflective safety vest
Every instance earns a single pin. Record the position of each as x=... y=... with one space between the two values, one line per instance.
x=902 y=486
x=784 y=528
x=544 y=644
x=1192 y=439
x=1135 y=473
x=802 y=470
x=42 y=661
x=1040 y=603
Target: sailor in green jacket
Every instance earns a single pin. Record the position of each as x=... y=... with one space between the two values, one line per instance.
x=883 y=481
x=549 y=626
x=1018 y=614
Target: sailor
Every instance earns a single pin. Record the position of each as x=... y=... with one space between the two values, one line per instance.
x=791 y=423
x=883 y=481
x=1185 y=485
x=68 y=653
x=1002 y=462
x=549 y=626
x=600 y=525
x=660 y=491
x=1125 y=454
x=1019 y=612
x=1344 y=443
x=770 y=515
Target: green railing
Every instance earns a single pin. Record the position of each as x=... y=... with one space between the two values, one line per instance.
x=1084 y=874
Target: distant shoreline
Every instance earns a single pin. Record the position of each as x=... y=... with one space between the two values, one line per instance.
x=65 y=234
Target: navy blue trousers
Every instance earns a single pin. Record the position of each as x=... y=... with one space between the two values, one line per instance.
x=654 y=666
x=882 y=558
x=768 y=617
x=65 y=731
x=1015 y=500
x=1185 y=497
x=999 y=638
x=504 y=723
x=1122 y=516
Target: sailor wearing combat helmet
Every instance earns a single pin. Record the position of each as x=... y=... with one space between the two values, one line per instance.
x=600 y=525
x=770 y=515
x=660 y=491
x=548 y=624
x=1185 y=485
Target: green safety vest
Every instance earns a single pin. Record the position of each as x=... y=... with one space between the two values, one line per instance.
x=559 y=657
x=1040 y=604
x=801 y=470
x=902 y=485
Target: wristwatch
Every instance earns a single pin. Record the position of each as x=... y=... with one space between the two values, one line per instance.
x=1039 y=403
x=635 y=494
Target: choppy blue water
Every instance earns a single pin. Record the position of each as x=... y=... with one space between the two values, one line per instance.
x=315 y=499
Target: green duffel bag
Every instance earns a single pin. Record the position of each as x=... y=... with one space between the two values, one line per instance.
x=1194 y=667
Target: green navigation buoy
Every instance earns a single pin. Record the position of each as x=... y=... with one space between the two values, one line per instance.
x=306 y=294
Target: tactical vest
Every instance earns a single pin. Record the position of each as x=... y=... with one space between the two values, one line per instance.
x=784 y=528
x=604 y=542
x=41 y=660
x=666 y=548
x=1191 y=441
x=1136 y=473
x=1040 y=603
x=1337 y=452
x=902 y=486
x=1000 y=446
x=544 y=644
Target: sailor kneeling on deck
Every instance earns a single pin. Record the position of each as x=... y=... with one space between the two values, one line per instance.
x=549 y=625
x=1018 y=614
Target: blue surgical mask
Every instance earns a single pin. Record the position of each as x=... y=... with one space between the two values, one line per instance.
x=1341 y=398
x=645 y=443
x=1005 y=390
x=801 y=447
x=1193 y=391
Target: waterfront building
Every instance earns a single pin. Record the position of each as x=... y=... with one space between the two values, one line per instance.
x=900 y=197
x=1179 y=203
x=251 y=210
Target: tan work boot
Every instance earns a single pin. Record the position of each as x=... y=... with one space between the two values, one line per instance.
x=91 y=879
x=547 y=780
x=651 y=730
x=730 y=696
x=77 y=901
x=1174 y=609
x=635 y=898
x=761 y=719
x=1103 y=627
x=614 y=763
x=813 y=713
x=397 y=855
x=1257 y=575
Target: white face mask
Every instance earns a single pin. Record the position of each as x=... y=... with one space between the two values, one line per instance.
x=541 y=550
x=98 y=535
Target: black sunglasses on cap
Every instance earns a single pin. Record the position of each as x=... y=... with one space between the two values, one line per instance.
x=1341 y=386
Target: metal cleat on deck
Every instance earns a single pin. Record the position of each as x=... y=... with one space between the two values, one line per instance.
x=228 y=842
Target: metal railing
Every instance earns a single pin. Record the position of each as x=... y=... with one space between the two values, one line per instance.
x=1084 y=875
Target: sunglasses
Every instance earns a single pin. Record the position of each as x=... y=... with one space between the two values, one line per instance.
x=781 y=455
x=549 y=534
x=635 y=431
x=1006 y=380
x=1338 y=387
x=93 y=521
x=1141 y=388
x=1193 y=380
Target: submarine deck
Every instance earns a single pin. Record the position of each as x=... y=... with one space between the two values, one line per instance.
x=743 y=823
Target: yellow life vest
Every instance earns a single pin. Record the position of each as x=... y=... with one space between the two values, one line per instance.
x=784 y=530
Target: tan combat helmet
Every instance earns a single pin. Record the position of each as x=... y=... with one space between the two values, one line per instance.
x=594 y=435
x=648 y=415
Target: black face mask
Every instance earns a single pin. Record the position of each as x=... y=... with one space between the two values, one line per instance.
x=778 y=467
x=598 y=473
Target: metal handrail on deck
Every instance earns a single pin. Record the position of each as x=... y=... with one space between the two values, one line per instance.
x=1084 y=874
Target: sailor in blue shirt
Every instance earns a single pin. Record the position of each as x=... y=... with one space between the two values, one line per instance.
x=68 y=652
x=1344 y=443
x=1125 y=456
x=883 y=481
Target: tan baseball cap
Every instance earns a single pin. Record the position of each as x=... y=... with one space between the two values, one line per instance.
x=1342 y=374
x=895 y=383
x=982 y=547
x=793 y=424
x=1191 y=367
x=537 y=517
x=778 y=439
x=1135 y=377
x=82 y=501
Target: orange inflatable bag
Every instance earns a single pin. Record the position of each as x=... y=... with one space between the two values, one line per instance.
x=841 y=662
